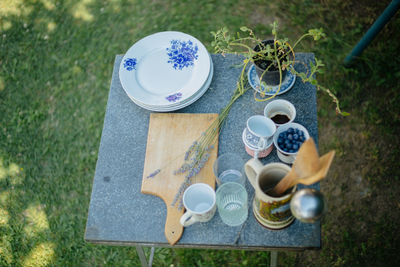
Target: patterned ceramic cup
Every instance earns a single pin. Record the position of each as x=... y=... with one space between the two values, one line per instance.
x=200 y=203
x=250 y=143
x=271 y=212
x=263 y=128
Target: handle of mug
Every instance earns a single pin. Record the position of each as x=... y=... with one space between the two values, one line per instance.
x=187 y=219
x=262 y=144
x=252 y=168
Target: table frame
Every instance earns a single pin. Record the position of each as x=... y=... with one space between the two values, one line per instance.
x=111 y=207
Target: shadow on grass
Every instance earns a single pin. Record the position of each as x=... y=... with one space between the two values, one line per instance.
x=54 y=74
x=55 y=66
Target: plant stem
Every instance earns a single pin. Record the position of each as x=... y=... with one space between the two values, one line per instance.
x=300 y=39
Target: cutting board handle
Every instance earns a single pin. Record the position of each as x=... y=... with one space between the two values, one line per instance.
x=173 y=228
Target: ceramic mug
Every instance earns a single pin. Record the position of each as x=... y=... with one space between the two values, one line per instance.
x=200 y=204
x=263 y=128
x=271 y=212
x=250 y=143
x=280 y=111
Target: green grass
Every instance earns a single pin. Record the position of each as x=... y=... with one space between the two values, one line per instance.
x=56 y=59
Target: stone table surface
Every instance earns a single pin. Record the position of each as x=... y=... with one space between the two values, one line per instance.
x=120 y=214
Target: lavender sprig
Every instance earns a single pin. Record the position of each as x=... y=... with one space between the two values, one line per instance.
x=190 y=150
x=197 y=154
x=151 y=175
x=192 y=166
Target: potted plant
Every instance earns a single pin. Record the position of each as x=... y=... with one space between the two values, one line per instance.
x=272 y=58
x=267 y=66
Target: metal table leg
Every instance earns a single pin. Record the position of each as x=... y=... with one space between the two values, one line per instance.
x=151 y=257
x=274 y=258
x=142 y=257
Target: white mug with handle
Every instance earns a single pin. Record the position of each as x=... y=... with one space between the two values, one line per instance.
x=262 y=127
x=200 y=204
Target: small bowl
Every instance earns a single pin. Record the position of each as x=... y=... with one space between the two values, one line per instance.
x=288 y=157
x=280 y=107
x=250 y=142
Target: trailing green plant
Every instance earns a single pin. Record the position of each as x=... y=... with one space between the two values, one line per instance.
x=279 y=56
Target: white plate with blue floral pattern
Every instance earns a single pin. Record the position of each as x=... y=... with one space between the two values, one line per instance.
x=164 y=69
x=254 y=81
x=184 y=103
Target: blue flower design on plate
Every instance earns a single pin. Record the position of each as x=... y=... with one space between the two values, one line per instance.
x=254 y=81
x=182 y=54
x=174 y=97
x=130 y=64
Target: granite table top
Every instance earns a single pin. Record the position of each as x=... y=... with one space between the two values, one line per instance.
x=119 y=214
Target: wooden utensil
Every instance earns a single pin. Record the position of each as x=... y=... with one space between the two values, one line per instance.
x=169 y=136
x=307 y=169
x=325 y=162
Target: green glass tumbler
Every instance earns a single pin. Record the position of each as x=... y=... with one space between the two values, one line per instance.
x=232 y=203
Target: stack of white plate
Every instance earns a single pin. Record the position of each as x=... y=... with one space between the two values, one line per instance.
x=166 y=71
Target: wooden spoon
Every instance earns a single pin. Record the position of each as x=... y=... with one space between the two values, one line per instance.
x=307 y=168
x=325 y=163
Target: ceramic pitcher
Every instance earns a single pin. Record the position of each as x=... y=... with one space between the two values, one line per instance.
x=271 y=212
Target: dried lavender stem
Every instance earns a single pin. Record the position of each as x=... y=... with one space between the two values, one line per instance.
x=196 y=153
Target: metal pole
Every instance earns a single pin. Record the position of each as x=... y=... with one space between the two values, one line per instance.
x=151 y=257
x=373 y=31
x=274 y=258
x=142 y=257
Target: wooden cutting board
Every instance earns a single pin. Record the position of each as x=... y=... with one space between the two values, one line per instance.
x=169 y=136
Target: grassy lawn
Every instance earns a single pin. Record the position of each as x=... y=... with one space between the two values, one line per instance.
x=56 y=59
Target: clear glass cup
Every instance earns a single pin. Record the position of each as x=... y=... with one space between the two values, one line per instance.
x=229 y=167
x=232 y=203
